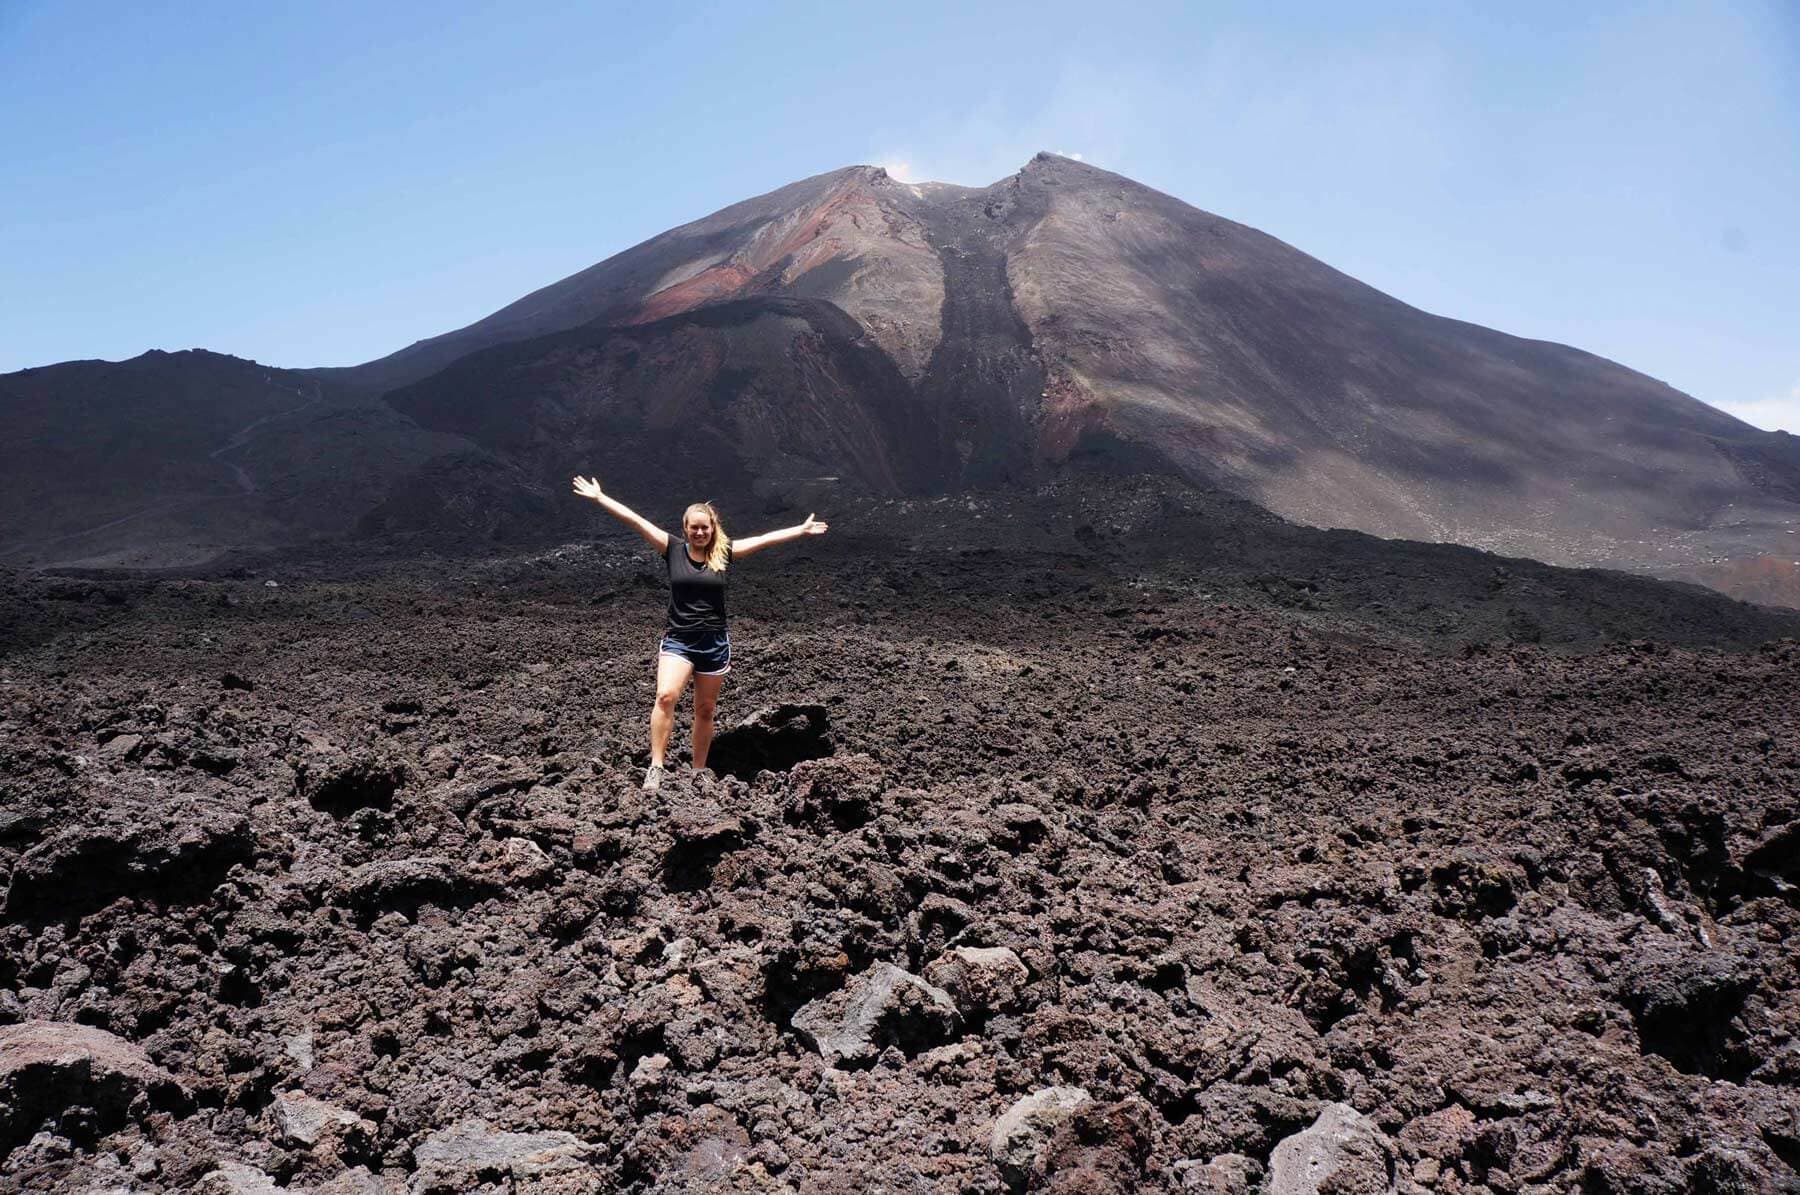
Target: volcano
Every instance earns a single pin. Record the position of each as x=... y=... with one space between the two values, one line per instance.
x=852 y=333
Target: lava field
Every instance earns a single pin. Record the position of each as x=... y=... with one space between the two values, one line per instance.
x=1119 y=848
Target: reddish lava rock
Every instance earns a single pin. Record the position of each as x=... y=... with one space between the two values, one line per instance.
x=49 y=1069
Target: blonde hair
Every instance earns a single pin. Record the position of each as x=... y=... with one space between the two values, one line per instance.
x=718 y=553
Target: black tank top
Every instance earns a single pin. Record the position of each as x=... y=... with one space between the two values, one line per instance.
x=696 y=593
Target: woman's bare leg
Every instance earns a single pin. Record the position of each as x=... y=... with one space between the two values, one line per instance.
x=672 y=674
x=706 y=705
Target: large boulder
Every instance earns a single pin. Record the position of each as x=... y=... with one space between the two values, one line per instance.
x=1343 y=1153
x=175 y=853
x=49 y=1067
x=882 y=1007
x=1023 y=1130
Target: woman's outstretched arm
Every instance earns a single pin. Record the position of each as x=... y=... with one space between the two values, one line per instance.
x=756 y=543
x=656 y=537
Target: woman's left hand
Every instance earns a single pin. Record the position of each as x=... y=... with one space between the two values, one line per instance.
x=813 y=526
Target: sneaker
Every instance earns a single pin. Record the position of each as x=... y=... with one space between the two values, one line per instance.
x=653 y=778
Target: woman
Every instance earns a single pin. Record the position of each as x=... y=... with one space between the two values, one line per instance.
x=695 y=643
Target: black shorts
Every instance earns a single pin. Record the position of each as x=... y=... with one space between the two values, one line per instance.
x=708 y=649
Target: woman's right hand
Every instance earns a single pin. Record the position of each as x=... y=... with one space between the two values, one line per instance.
x=588 y=487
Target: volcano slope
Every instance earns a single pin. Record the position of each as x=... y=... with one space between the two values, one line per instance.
x=857 y=332
x=1110 y=862
x=1066 y=316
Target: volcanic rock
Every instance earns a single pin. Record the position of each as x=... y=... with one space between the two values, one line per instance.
x=302 y=1120
x=884 y=1006
x=1439 y=1137
x=520 y=862
x=981 y=979
x=773 y=739
x=834 y=794
x=359 y=1181
x=124 y=746
x=1022 y=1131
x=1236 y=902
x=175 y=851
x=1227 y=1174
x=237 y=1178
x=1099 y=1149
x=394 y=883
x=1343 y=1151
x=1777 y=855
x=341 y=785
x=1684 y=1001
x=49 y=1068
x=472 y=1151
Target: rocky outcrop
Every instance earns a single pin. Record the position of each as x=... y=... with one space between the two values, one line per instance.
x=173 y=851
x=883 y=1007
x=50 y=1070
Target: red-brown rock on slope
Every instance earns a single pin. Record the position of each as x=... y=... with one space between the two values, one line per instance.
x=854 y=248
x=832 y=236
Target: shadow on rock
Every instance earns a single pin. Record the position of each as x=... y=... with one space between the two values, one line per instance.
x=772 y=739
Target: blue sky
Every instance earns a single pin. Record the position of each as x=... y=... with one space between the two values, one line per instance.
x=321 y=184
